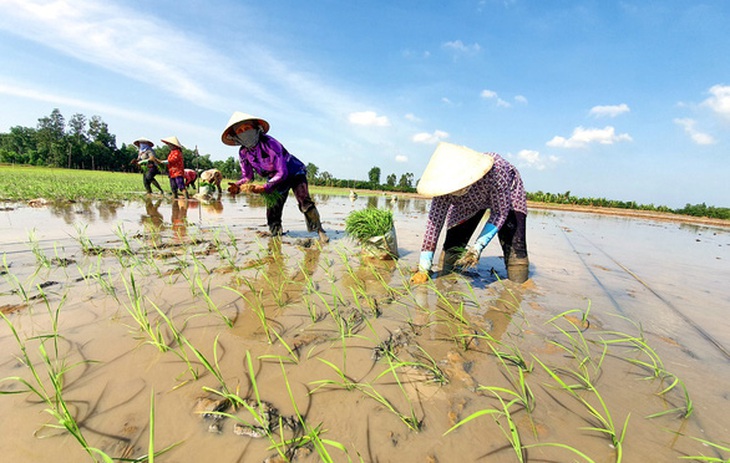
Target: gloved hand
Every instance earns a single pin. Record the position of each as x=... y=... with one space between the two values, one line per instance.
x=233 y=188
x=424 y=267
x=473 y=252
x=259 y=189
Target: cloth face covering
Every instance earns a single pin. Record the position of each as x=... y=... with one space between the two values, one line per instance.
x=248 y=138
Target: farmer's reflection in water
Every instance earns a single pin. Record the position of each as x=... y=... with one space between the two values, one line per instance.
x=274 y=286
x=152 y=220
x=180 y=218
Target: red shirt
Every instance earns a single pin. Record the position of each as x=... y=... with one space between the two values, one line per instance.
x=175 y=163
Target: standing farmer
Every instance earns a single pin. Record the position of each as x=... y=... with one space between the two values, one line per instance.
x=149 y=164
x=464 y=184
x=175 y=166
x=264 y=155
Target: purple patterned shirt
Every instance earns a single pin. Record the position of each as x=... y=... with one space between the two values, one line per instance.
x=500 y=191
x=269 y=159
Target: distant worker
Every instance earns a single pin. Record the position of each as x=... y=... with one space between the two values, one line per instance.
x=264 y=155
x=148 y=163
x=190 y=176
x=176 y=166
x=464 y=184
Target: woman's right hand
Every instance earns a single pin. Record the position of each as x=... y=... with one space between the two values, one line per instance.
x=233 y=188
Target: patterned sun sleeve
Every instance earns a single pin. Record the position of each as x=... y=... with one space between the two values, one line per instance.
x=436 y=217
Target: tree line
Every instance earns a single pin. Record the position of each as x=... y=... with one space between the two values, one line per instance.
x=87 y=143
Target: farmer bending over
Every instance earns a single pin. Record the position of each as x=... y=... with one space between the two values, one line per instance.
x=464 y=184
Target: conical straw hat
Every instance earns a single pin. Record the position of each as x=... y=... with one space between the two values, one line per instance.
x=143 y=139
x=173 y=141
x=239 y=118
x=451 y=168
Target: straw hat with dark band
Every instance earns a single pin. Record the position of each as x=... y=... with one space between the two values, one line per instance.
x=172 y=141
x=143 y=140
x=451 y=168
x=238 y=118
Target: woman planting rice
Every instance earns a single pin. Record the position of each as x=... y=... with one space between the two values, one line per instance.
x=464 y=184
x=264 y=155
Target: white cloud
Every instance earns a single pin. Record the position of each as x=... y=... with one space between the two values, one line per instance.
x=492 y=95
x=521 y=99
x=698 y=137
x=446 y=101
x=609 y=111
x=582 y=137
x=533 y=159
x=720 y=99
x=369 y=118
x=412 y=117
x=430 y=138
x=401 y=158
x=459 y=47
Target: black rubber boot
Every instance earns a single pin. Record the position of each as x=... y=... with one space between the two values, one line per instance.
x=314 y=223
x=276 y=230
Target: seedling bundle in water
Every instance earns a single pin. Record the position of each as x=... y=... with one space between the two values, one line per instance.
x=375 y=230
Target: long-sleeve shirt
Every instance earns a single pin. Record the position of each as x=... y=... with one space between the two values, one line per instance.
x=500 y=190
x=175 y=165
x=271 y=160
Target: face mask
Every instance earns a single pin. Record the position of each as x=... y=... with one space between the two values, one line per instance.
x=248 y=138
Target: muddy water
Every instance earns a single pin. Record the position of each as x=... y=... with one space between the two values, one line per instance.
x=377 y=369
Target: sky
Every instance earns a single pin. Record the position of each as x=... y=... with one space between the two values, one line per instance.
x=626 y=100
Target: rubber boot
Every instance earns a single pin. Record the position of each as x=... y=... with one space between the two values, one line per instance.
x=276 y=230
x=518 y=269
x=314 y=224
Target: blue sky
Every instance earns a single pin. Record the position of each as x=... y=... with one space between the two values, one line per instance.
x=627 y=100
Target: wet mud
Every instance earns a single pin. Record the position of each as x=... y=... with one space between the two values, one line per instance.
x=185 y=319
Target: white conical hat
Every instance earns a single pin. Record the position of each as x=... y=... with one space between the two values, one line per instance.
x=237 y=119
x=173 y=141
x=143 y=139
x=451 y=168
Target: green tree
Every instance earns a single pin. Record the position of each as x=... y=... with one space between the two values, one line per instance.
x=374 y=177
x=312 y=173
x=406 y=181
x=50 y=138
x=390 y=180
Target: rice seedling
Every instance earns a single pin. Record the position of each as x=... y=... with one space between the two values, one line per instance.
x=255 y=303
x=601 y=413
x=213 y=368
x=87 y=247
x=52 y=397
x=368 y=223
x=343 y=381
x=725 y=447
x=212 y=306
x=177 y=339
x=41 y=259
x=126 y=248
x=310 y=435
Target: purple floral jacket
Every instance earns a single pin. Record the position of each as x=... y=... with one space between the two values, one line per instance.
x=500 y=191
x=271 y=160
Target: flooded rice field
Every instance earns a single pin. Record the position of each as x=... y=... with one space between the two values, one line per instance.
x=183 y=330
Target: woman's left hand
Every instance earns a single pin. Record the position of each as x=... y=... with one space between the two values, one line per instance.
x=258 y=189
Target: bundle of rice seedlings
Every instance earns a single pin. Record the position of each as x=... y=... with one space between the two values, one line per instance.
x=368 y=223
